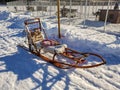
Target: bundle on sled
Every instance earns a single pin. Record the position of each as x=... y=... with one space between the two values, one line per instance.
x=56 y=53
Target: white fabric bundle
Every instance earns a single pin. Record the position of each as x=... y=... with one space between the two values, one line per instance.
x=56 y=49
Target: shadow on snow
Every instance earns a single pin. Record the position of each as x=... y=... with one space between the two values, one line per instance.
x=23 y=65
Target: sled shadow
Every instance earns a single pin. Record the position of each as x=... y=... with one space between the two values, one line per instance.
x=23 y=65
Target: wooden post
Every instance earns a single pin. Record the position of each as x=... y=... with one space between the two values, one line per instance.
x=58 y=14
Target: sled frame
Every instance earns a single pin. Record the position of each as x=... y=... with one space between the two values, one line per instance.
x=58 y=63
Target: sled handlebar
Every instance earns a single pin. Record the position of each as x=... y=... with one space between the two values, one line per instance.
x=31 y=21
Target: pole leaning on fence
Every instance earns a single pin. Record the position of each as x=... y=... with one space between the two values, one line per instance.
x=106 y=15
x=85 y=13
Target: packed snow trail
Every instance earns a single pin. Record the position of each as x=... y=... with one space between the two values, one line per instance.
x=19 y=69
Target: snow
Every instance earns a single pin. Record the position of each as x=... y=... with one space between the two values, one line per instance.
x=20 y=71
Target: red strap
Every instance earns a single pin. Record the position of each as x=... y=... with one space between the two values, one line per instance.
x=48 y=42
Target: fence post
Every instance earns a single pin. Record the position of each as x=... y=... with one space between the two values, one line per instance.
x=70 y=12
x=106 y=15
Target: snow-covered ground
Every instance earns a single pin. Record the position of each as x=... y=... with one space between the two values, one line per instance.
x=20 y=71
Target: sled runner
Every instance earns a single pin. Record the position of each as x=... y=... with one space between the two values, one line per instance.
x=56 y=53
